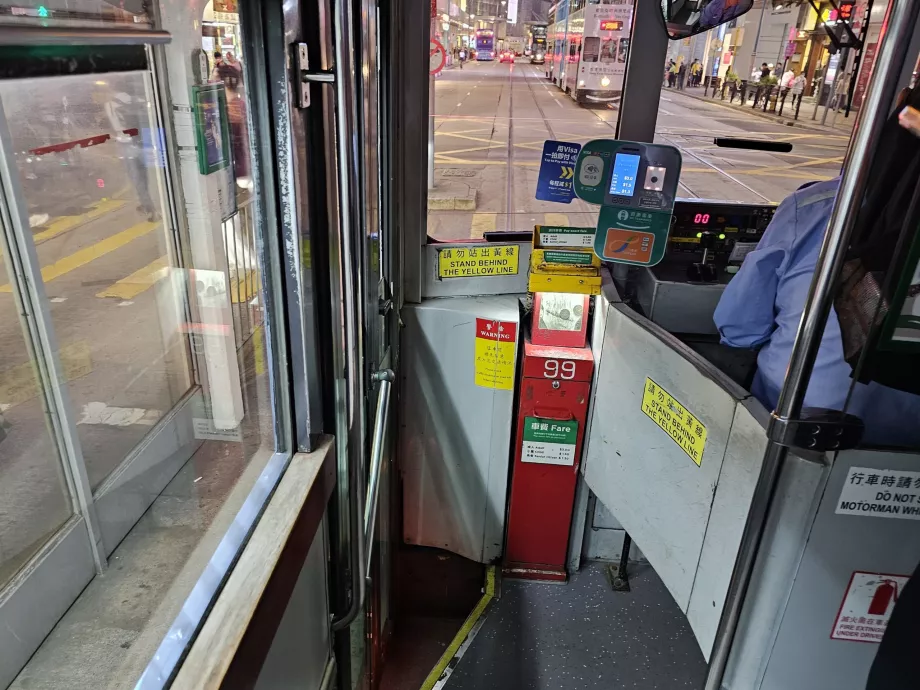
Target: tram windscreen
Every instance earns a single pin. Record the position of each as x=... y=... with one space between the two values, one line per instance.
x=486 y=151
x=623 y=178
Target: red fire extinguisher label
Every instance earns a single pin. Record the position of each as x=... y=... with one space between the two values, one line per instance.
x=867 y=606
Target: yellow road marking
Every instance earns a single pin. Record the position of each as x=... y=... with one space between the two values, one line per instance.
x=791 y=166
x=91 y=253
x=243 y=289
x=464 y=136
x=131 y=286
x=20 y=383
x=441 y=158
x=462 y=131
x=65 y=223
x=463 y=632
x=258 y=350
x=558 y=219
x=483 y=223
x=496 y=145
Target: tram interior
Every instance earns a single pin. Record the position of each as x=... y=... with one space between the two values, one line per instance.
x=368 y=450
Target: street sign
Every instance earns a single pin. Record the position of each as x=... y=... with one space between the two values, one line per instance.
x=437 y=56
x=557 y=171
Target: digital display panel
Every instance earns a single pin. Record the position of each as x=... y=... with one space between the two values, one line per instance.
x=611 y=25
x=625 y=170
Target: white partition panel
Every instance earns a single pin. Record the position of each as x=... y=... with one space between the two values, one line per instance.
x=654 y=489
x=455 y=435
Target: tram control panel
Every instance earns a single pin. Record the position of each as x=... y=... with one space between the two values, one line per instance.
x=706 y=246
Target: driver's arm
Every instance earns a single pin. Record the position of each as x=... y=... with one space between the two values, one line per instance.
x=745 y=314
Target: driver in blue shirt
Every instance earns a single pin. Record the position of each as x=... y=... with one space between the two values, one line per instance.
x=763 y=304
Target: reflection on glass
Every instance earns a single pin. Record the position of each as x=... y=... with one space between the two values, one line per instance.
x=160 y=335
x=89 y=155
x=133 y=12
x=33 y=493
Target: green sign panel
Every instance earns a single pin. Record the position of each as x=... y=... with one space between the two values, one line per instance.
x=549 y=441
x=561 y=236
x=592 y=169
x=560 y=256
x=635 y=185
x=632 y=237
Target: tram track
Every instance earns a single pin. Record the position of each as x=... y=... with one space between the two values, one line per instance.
x=509 y=185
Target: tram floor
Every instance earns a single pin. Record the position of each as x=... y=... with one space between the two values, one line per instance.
x=582 y=635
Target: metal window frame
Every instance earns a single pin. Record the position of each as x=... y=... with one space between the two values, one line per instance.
x=408 y=98
x=274 y=232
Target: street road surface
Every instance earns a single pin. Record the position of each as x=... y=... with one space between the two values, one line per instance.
x=492 y=119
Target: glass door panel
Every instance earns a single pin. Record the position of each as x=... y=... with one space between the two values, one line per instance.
x=34 y=498
x=86 y=150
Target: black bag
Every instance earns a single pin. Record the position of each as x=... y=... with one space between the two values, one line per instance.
x=885 y=229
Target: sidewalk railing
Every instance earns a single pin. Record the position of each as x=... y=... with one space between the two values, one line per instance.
x=768 y=99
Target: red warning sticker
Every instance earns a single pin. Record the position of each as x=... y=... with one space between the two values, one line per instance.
x=867 y=606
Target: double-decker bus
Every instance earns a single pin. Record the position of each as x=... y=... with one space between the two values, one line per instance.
x=538 y=43
x=555 y=38
x=485 y=44
x=597 y=45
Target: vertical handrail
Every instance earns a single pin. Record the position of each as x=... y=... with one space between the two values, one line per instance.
x=899 y=26
x=352 y=299
x=386 y=378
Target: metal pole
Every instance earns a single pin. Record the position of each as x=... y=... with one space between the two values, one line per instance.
x=763 y=9
x=893 y=47
x=814 y=115
x=431 y=120
x=351 y=203
x=841 y=66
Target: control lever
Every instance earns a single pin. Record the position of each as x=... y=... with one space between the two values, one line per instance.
x=703 y=272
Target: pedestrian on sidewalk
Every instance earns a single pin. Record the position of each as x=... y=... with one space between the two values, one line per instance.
x=840 y=91
x=798 y=89
x=786 y=80
x=462 y=57
x=681 y=76
x=764 y=71
x=695 y=69
x=672 y=73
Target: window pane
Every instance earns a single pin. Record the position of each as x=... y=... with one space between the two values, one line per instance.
x=494 y=110
x=728 y=83
x=171 y=401
x=96 y=210
x=34 y=500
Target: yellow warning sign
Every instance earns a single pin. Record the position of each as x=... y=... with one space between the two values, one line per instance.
x=675 y=419
x=470 y=262
x=496 y=346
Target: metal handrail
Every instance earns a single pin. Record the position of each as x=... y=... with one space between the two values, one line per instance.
x=346 y=109
x=892 y=54
x=386 y=378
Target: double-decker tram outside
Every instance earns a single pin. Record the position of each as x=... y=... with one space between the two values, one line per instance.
x=606 y=377
x=599 y=47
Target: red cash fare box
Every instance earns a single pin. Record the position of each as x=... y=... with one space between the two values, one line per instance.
x=555 y=388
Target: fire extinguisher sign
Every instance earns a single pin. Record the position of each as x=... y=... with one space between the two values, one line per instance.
x=867 y=606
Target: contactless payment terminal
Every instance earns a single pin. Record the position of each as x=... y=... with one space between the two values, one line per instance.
x=635 y=184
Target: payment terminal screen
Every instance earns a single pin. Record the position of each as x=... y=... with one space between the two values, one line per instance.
x=625 y=170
